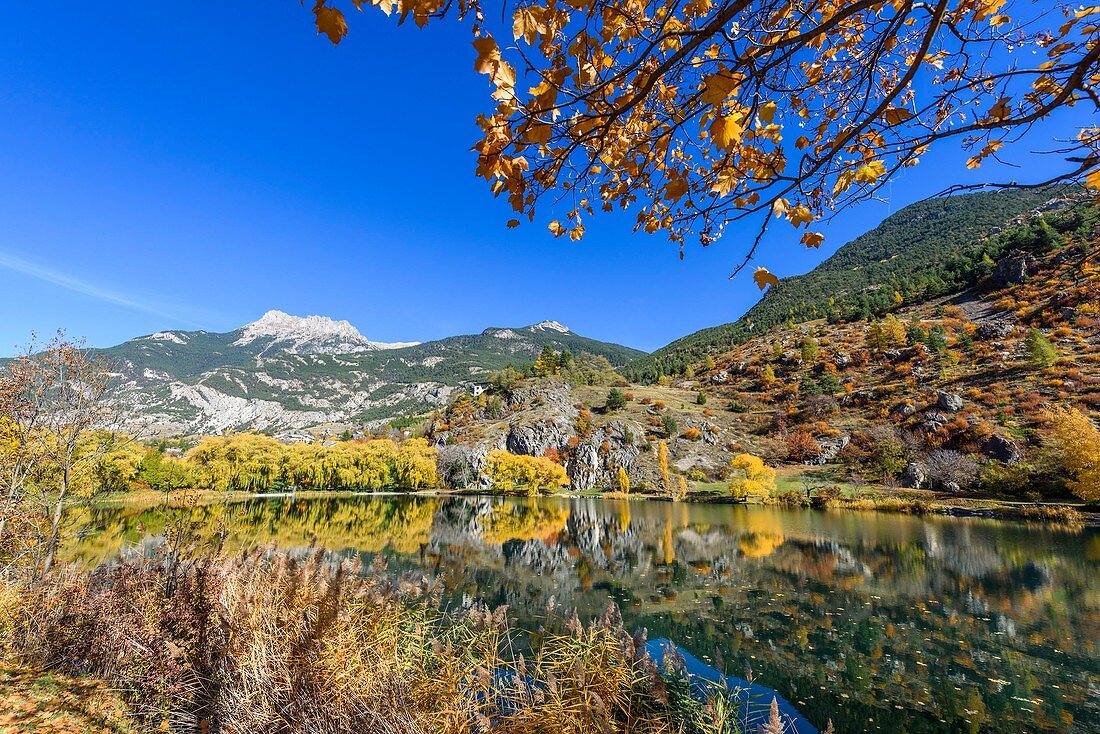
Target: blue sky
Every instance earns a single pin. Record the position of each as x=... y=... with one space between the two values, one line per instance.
x=181 y=165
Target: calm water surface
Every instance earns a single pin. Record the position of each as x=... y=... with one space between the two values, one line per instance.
x=881 y=622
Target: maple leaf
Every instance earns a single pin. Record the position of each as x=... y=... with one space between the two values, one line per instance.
x=813 y=239
x=1001 y=110
x=1092 y=180
x=717 y=87
x=763 y=278
x=330 y=21
x=726 y=131
x=897 y=115
x=800 y=215
x=767 y=112
x=488 y=55
x=538 y=134
x=675 y=188
x=556 y=228
x=870 y=172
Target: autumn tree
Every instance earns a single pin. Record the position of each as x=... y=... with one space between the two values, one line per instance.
x=751 y=476
x=52 y=398
x=662 y=466
x=548 y=363
x=697 y=114
x=624 y=481
x=507 y=471
x=1079 y=440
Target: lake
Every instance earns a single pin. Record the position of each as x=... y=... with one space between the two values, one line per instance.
x=881 y=622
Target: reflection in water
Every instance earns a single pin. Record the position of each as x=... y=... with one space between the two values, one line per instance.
x=881 y=622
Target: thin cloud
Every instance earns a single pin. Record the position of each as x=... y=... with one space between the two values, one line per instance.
x=68 y=282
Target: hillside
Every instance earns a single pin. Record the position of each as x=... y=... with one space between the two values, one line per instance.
x=950 y=393
x=924 y=250
x=283 y=372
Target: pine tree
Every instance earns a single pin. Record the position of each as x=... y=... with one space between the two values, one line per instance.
x=615 y=400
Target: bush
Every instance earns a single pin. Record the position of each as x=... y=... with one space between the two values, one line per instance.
x=951 y=467
x=826 y=497
x=693 y=434
x=802 y=446
x=1012 y=479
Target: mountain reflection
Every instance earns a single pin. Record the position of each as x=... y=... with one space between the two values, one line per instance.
x=880 y=622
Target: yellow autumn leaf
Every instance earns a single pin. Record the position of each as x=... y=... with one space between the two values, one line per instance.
x=717 y=87
x=726 y=131
x=870 y=172
x=800 y=215
x=538 y=134
x=767 y=112
x=1001 y=110
x=1092 y=179
x=675 y=188
x=813 y=239
x=556 y=228
x=528 y=23
x=897 y=115
x=330 y=22
x=488 y=55
x=763 y=278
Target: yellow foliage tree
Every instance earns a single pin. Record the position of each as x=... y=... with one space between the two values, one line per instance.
x=1080 y=443
x=624 y=481
x=751 y=476
x=508 y=471
x=662 y=466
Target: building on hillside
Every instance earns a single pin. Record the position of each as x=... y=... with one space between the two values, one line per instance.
x=293 y=436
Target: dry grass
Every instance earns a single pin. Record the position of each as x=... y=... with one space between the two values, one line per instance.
x=265 y=642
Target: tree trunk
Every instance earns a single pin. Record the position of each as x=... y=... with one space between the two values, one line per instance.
x=55 y=522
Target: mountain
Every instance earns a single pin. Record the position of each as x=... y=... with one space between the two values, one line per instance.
x=309 y=335
x=926 y=249
x=951 y=391
x=284 y=371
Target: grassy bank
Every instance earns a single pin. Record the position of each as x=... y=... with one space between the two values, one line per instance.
x=265 y=642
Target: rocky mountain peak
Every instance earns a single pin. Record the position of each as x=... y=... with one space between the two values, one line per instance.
x=310 y=335
x=550 y=326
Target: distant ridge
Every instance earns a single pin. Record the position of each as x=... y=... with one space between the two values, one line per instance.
x=282 y=372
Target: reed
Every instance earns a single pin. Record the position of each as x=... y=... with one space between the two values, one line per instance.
x=270 y=642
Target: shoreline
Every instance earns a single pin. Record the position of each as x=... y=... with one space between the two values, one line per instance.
x=877 y=499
